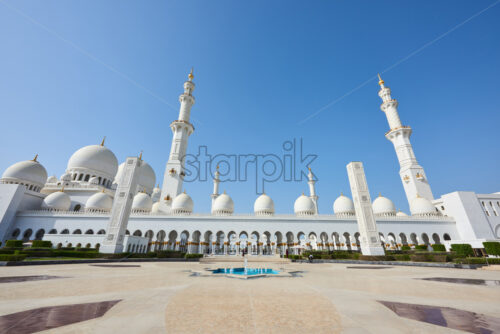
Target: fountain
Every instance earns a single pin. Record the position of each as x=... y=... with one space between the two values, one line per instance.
x=246 y=272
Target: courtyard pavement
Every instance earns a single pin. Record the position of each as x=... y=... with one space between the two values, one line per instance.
x=185 y=298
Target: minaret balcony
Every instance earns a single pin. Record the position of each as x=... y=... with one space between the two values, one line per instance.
x=403 y=128
x=388 y=104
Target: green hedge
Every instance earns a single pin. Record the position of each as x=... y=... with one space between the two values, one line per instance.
x=193 y=256
x=377 y=258
x=438 y=248
x=492 y=248
x=402 y=257
x=478 y=260
x=6 y=251
x=11 y=257
x=14 y=243
x=462 y=250
x=421 y=247
x=41 y=244
x=170 y=254
x=405 y=247
x=294 y=257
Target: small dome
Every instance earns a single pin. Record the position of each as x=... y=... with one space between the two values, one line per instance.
x=263 y=206
x=303 y=206
x=97 y=158
x=401 y=214
x=383 y=206
x=343 y=205
x=156 y=190
x=142 y=203
x=420 y=206
x=156 y=207
x=66 y=177
x=99 y=202
x=223 y=205
x=58 y=200
x=182 y=203
x=147 y=176
x=94 y=180
x=52 y=179
x=29 y=171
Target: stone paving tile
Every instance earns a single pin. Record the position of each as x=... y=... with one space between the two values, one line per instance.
x=15 y=279
x=446 y=317
x=44 y=318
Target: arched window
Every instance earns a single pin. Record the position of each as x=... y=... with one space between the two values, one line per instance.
x=70 y=245
x=87 y=246
x=97 y=246
x=87 y=177
x=78 y=245
x=27 y=234
x=65 y=231
x=77 y=207
x=89 y=232
x=74 y=177
x=77 y=231
x=101 y=232
x=446 y=236
x=39 y=234
x=53 y=231
x=59 y=245
x=80 y=177
x=16 y=233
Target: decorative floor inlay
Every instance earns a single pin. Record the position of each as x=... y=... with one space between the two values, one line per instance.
x=472 y=281
x=14 y=279
x=116 y=265
x=368 y=267
x=44 y=318
x=447 y=317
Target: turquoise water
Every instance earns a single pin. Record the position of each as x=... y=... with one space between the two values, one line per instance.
x=249 y=271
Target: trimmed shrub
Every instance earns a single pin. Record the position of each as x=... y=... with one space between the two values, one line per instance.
x=402 y=257
x=170 y=254
x=405 y=248
x=462 y=250
x=193 y=256
x=11 y=257
x=421 y=258
x=440 y=258
x=14 y=244
x=421 y=247
x=341 y=255
x=438 y=248
x=478 y=260
x=294 y=257
x=492 y=248
x=377 y=258
x=41 y=244
x=6 y=251
x=36 y=252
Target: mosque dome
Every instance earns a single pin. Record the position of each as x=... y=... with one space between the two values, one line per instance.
x=383 y=206
x=29 y=172
x=182 y=204
x=343 y=205
x=303 y=206
x=99 y=202
x=401 y=214
x=66 y=177
x=223 y=205
x=263 y=206
x=147 y=176
x=58 y=200
x=420 y=206
x=142 y=203
x=51 y=179
x=96 y=158
x=155 y=208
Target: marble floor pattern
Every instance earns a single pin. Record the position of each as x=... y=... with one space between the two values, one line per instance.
x=325 y=298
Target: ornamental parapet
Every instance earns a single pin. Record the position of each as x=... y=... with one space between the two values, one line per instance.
x=180 y=121
x=389 y=103
x=398 y=128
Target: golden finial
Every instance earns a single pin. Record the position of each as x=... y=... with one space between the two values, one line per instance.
x=190 y=75
x=103 y=140
x=418 y=195
x=379 y=194
x=380 y=81
x=224 y=191
x=341 y=193
x=140 y=156
x=217 y=168
x=62 y=189
x=158 y=185
x=184 y=191
x=36 y=157
x=303 y=194
x=309 y=168
x=102 y=190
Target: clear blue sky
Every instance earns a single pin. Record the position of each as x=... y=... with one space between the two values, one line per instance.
x=74 y=71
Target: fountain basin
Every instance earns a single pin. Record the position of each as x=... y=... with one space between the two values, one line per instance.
x=246 y=272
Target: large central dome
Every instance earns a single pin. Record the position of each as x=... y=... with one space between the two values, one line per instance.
x=96 y=158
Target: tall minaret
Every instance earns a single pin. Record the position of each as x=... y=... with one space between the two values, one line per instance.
x=312 y=190
x=215 y=194
x=182 y=129
x=412 y=174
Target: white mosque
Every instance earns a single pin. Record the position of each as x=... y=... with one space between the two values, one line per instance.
x=98 y=202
